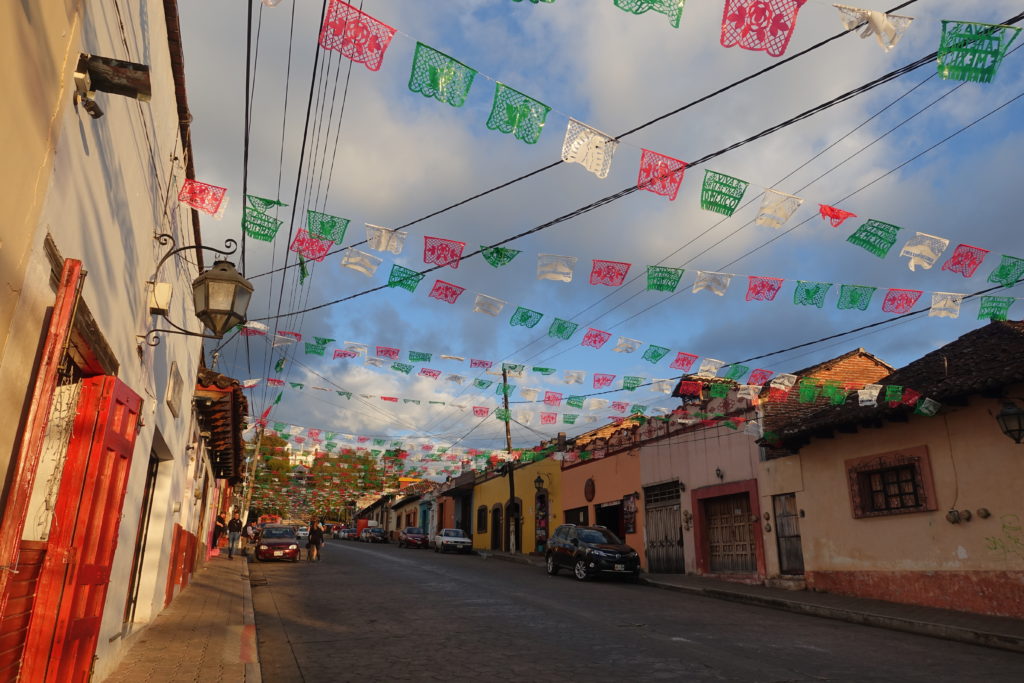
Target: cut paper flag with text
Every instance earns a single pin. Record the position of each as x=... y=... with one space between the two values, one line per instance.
x=875 y=237
x=663 y=279
x=971 y=51
x=589 y=148
x=355 y=35
x=721 y=193
x=256 y=223
x=886 y=28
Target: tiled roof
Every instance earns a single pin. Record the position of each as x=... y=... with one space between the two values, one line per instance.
x=856 y=368
x=981 y=361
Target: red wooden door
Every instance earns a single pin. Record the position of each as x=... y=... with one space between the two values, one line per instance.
x=83 y=537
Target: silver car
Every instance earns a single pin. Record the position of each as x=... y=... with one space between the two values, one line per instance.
x=452 y=539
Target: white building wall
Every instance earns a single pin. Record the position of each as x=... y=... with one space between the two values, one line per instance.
x=112 y=190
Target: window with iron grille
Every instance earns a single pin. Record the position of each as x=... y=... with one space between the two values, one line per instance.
x=891 y=483
x=662 y=493
x=481 y=520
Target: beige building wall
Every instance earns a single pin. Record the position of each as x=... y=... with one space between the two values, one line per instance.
x=916 y=557
x=692 y=458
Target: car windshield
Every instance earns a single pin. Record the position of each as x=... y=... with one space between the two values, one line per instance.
x=303 y=528
x=278 y=532
x=453 y=532
x=414 y=530
x=598 y=536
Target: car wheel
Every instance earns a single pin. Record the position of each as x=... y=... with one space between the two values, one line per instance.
x=579 y=570
x=295 y=559
x=550 y=565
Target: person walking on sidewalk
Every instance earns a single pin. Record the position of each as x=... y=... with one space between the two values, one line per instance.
x=234 y=532
x=218 y=530
x=316 y=540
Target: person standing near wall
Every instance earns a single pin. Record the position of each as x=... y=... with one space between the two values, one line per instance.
x=218 y=530
x=234 y=532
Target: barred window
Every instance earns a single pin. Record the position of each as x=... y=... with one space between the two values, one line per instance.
x=891 y=483
x=481 y=520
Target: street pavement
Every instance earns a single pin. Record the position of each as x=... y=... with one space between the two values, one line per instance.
x=380 y=613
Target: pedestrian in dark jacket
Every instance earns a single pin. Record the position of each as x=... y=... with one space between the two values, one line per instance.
x=316 y=540
x=234 y=532
x=218 y=528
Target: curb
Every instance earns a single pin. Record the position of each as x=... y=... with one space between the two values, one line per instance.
x=944 y=631
x=518 y=559
x=253 y=674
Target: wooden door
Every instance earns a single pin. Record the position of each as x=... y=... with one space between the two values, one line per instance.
x=730 y=540
x=787 y=533
x=663 y=528
x=83 y=537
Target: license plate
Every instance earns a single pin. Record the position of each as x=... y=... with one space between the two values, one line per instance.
x=620 y=567
x=278 y=553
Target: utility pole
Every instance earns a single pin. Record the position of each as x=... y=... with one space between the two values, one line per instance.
x=251 y=477
x=513 y=517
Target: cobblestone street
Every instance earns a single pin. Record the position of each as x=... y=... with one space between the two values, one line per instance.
x=376 y=612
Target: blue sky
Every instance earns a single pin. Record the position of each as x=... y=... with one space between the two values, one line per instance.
x=401 y=156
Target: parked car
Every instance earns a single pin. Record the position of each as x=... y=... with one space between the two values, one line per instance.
x=590 y=551
x=412 y=537
x=302 y=532
x=339 y=532
x=349 y=535
x=277 y=542
x=373 y=534
x=452 y=539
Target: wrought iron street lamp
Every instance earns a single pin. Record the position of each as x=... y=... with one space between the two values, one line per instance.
x=1011 y=421
x=221 y=295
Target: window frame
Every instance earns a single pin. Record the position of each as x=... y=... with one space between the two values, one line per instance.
x=859 y=473
x=481 y=519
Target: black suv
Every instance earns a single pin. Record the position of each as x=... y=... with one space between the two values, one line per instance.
x=590 y=551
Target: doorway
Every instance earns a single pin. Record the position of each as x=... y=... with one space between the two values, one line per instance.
x=609 y=515
x=664 y=528
x=578 y=516
x=787 y=534
x=730 y=540
x=496 y=528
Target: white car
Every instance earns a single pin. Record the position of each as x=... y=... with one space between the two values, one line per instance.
x=452 y=539
x=302 y=532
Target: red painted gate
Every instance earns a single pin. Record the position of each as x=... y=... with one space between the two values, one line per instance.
x=83 y=537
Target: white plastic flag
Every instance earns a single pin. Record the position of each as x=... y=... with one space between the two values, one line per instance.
x=524 y=416
x=597 y=403
x=250 y=383
x=662 y=385
x=360 y=261
x=776 y=208
x=924 y=250
x=945 y=305
x=283 y=340
x=528 y=393
x=356 y=347
x=458 y=359
x=377 y=362
x=709 y=367
x=574 y=376
x=716 y=283
x=627 y=345
x=457 y=379
x=555 y=267
x=385 y=239
x=868 y=396
x=753 y=427
x=887 y=28
x=783 y=380
x=748 y=391
x=588 y=147
x=488 y=304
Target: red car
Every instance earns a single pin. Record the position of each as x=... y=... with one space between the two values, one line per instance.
x=412 y=537
x=277 y=542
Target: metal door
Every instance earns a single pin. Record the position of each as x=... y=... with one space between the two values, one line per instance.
x=83 y=537
x=664 y=531
x=730 y=541
x=787 y=533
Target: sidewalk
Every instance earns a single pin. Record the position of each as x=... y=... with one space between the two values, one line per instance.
x=976 y=629
x=206 y=634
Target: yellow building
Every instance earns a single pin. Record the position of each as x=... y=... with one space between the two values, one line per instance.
x=538 y=496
